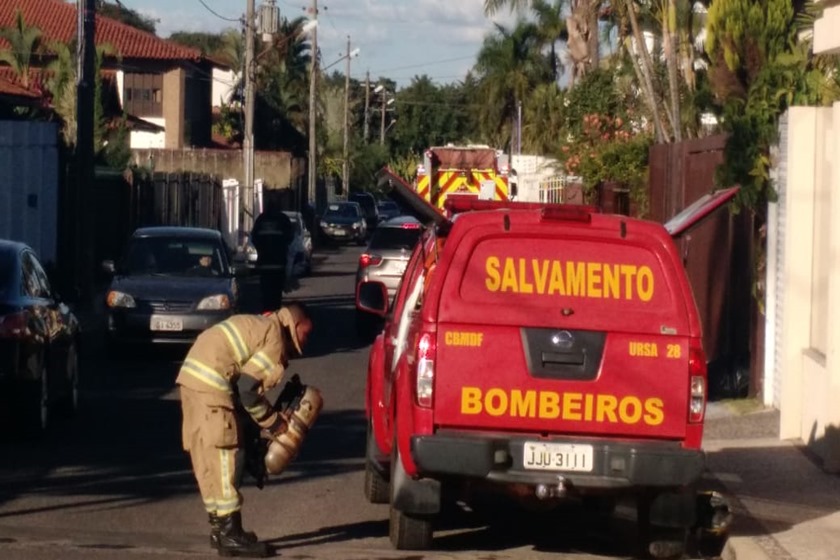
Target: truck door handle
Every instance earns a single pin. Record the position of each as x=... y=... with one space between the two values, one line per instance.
x=563 y=358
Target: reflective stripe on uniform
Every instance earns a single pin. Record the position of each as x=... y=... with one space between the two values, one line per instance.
x=229 y=502
x=210 y=506
x=259 y=411
x=206 y=375
x=262 y=362
x=227 y=507
x=236 y=341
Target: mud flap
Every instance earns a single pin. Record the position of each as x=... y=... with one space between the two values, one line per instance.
x=413 y=496
x=676 y=509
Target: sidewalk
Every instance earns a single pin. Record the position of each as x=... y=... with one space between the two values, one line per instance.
x=785 y=507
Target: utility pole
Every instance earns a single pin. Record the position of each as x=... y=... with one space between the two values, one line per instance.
x=85 y=110
x=345 y=164
x=382 y=119
x=248 y=193
x=367 y=106
x=313 y=83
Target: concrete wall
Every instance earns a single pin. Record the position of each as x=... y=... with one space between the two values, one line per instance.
x=279 y=170
x=174 y=97
x=810 y=305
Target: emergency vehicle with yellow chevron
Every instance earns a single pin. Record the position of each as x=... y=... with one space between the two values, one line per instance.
x=473 y=171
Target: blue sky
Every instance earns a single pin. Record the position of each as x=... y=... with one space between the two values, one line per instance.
x=397 y=38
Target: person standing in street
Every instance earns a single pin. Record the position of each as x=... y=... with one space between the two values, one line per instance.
x=271 y=236
x=233 y=365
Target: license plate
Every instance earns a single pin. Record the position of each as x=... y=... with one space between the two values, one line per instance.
x=340 y=232
x=557 y=457
x=166 y=324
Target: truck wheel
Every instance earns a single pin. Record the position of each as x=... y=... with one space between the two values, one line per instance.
x=409 y=532
x=658 y=542
x=377 y=488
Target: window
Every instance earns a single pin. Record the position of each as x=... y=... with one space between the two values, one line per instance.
x=143 y=95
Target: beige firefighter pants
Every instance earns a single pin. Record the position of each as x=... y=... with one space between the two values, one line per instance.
x=211 y=436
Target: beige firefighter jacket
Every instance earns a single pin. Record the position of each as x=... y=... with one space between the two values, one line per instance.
x=253 y=345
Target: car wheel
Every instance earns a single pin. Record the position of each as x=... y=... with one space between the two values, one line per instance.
x=377 y=487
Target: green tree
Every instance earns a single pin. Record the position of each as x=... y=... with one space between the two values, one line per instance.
x=24 y=44
x=207 y=43
x=126 y=15
x=760 y=65
x=510 y=64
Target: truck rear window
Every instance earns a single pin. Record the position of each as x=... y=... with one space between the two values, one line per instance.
x=595 y=277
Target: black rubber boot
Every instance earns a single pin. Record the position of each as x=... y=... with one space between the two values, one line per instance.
x=234 y=541
x=215 y=528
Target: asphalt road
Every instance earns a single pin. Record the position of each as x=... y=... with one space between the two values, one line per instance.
x=114 y=483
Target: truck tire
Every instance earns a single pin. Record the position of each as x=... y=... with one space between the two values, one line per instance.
x=408 y=532
x=377 y=487
x=658 y=542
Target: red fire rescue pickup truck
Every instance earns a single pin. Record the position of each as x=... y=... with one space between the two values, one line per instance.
x=549 y=352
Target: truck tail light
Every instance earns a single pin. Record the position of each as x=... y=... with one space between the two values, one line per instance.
x=697 y=384
x=14 y=325
x=426 y=350
x=366 y=260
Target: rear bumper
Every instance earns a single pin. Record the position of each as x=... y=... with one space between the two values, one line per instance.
x=616 y=465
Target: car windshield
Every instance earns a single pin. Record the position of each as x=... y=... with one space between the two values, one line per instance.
x=395 y=238
x=172 y=257
x=7 y=270
x=342 y=211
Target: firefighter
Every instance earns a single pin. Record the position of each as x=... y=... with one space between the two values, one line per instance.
x=230 y=365
x=271 y=237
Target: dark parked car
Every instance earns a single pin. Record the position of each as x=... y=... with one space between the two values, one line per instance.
x=39 y=342
x=388 y=209
x=369 y=208
x=344 y=221
x=172 y=283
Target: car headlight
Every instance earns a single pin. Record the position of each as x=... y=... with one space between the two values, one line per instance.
x=357 y=225
x=323 y=223
x=120 y=299
x=221 y=301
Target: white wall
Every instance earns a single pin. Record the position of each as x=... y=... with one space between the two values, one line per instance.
x=810 y=273
x=141 y=139
x=224 y=82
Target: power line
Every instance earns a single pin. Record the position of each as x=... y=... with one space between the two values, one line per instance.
x=430 y=63
x=217 y=14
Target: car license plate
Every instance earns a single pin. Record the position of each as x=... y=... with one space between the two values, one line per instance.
x=340 y=232
x=557 y=457
x=166 y=324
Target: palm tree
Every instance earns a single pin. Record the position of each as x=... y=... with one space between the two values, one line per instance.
x=510 y=65
x=580 y=28
x=551 y=27
x=24 y=42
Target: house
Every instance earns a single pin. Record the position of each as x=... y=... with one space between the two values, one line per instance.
x=161 y=84
x=802 y=342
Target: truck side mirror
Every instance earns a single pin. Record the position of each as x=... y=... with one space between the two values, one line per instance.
x=372 y=297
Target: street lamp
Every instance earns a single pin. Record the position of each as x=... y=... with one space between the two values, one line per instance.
x=385 y=103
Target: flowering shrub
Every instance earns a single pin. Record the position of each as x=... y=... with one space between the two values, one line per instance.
x=608 y=150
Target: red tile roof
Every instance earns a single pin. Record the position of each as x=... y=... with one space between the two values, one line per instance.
x=57 y=21
x=8 y=87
